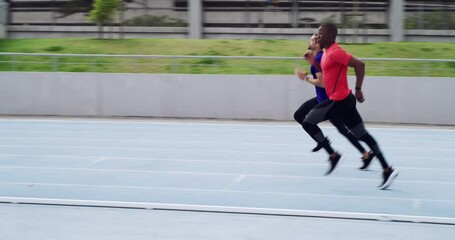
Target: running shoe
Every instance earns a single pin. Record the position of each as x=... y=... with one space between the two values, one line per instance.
x=367 y=161
x=334 y=162
x=388 y=175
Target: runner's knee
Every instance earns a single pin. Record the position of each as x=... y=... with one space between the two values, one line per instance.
x=343 y=131
x=298 y=117
x=307 y=125
x=359 y=131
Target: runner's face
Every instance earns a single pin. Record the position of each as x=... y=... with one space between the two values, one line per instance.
x=312 y=43
x=323 y=37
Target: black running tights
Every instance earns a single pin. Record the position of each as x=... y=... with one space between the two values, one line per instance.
x=306 y=107
x=345 y=110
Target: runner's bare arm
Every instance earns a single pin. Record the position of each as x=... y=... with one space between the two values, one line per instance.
x=303 y=75
x=359 y=68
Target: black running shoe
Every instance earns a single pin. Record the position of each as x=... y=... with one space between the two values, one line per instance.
x=321 y=145
x=388 y=176
x=367 y=161
x=334 y=162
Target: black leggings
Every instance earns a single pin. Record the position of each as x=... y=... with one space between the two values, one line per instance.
x=345 y=110
x=306 y=107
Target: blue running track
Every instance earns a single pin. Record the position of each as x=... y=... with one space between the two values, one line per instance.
x=76 y=178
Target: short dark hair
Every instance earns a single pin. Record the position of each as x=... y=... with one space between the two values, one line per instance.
x=331 y=28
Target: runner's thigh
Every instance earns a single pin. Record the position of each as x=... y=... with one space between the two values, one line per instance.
x=319 y=113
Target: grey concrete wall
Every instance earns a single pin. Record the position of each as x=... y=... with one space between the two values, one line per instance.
x=388 y=99
x=3 y=19
x=2 y=31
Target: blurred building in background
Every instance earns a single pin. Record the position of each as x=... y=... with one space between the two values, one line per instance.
x=358 y=20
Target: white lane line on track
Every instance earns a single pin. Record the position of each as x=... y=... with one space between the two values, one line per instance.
x=236 y=181
x=229 y=209
x=220 y=122
x=292 y=137
x=219 y=174
x=313 y=155
x=302 y=162
x=240 y=178
x=98 y=160
x=174 y=149
x=411 y=200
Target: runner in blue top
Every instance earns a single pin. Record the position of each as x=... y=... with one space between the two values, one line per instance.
x=321 y=96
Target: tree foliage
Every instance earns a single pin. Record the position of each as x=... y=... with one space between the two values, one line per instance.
x=103 y=11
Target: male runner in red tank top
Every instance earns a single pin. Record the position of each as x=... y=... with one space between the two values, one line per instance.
x=342 y=103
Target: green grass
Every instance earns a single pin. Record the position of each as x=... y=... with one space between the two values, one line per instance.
x=210 y=65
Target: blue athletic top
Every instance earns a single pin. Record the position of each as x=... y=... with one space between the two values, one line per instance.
x=321 y=95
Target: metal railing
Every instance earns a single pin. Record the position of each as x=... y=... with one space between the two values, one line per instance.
x=186 y=64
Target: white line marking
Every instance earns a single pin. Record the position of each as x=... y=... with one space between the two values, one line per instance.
x=185 y=142
x=239 y=178
x=224 y=174
x=96 y=161
x=134 y=133
x=229 y=209
x=285 y=194
x=300 y=161
x=27 y=184
x=276 y=139
x=197 y=122
x=47 y=156
x=187 y=173
x=279 y=151
x=156 y=149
